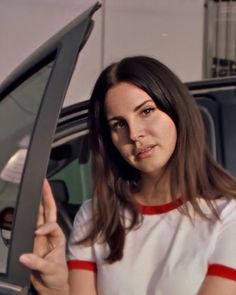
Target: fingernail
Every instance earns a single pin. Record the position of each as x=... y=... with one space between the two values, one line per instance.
x=38 y=230
x=24 y=258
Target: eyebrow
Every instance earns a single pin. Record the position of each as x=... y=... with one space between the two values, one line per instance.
x=135 y=110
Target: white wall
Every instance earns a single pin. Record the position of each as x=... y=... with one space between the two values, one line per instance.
x=170 y=30
x=26 y=24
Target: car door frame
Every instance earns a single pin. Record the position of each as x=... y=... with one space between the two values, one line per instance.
x=64 y=47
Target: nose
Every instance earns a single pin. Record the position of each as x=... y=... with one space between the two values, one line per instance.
x=136 y=131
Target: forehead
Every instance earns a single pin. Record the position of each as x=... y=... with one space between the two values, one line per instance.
x=124 y=97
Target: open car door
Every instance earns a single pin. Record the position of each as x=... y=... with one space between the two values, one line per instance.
x=30 y=103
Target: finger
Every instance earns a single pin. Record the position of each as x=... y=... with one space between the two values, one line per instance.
x=53 y=231
x=37 y=263
x=49 y=205
x=37 y=282
x=41 y=219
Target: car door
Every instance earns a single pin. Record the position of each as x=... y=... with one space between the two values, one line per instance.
x=30 y=103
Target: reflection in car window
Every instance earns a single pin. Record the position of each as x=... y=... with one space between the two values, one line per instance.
x=18 y=112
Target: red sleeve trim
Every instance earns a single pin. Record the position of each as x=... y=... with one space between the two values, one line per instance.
x=222 y=271
x=82 y=264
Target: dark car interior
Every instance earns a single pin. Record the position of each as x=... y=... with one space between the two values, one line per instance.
x=220 y=122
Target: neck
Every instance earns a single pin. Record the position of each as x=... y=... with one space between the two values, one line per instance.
x=154 y=191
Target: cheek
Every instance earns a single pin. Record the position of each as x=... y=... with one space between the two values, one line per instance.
x=171 y=136
x=116 y=141
x=119 y=139
x=167 y=131
x=174 y=139
x=119 y=144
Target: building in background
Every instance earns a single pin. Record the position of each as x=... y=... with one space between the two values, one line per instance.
x=220 y=38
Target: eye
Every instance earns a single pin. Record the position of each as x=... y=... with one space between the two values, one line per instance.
x=148 y=110
x=117 y=125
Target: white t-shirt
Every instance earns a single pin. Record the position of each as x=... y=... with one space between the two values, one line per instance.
x=167 y=255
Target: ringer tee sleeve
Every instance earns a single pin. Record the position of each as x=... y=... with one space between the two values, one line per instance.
x=81 y=256
x=223 y=259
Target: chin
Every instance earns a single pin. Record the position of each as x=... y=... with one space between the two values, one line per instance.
x=152 y=171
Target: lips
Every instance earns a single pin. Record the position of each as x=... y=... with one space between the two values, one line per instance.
x=145 y=152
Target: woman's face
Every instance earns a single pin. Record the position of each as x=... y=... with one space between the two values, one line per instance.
x=144 y=135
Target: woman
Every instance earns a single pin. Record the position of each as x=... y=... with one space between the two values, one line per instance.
x=162 y=216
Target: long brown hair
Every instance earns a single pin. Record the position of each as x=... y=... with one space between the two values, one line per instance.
x=194 y=172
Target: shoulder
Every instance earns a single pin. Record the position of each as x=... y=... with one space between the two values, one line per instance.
x=225 y=208
x=85 y=208
x=84 y=212
x=83 y=218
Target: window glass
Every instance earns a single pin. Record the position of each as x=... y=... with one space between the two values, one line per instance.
x=70 y=167
x=77 y=180
x=18 y=113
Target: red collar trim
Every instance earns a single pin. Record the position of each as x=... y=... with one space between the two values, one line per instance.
x=159 y=209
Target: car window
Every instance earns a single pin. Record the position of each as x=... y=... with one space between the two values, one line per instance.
x=70 y=173
x=77 y=179
x=18 y=113
x=70 y=163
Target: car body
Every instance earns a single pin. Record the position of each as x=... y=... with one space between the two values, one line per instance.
x=40 y=139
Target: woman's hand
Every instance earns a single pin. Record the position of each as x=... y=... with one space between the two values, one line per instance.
x=48 y=262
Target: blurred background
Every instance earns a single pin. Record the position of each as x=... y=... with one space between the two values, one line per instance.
x=195 y=38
